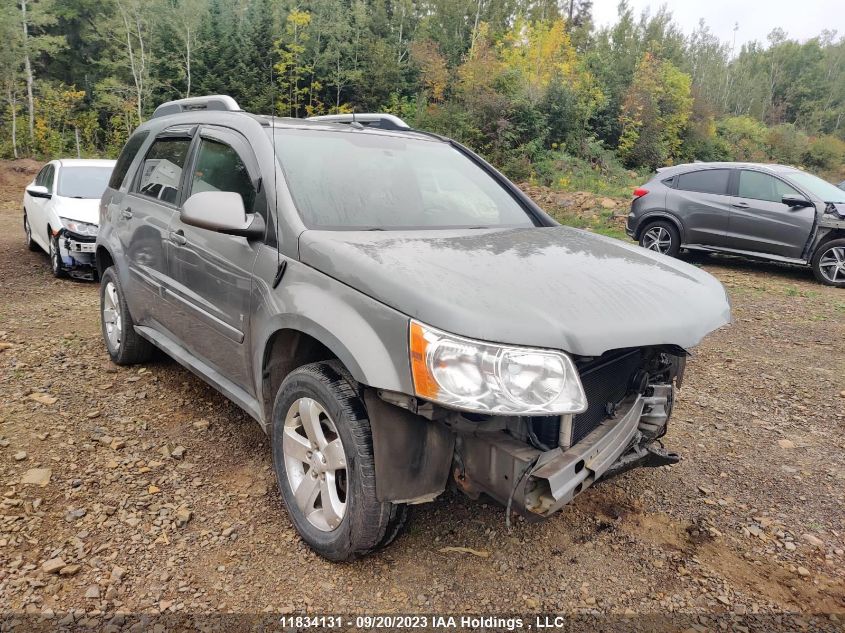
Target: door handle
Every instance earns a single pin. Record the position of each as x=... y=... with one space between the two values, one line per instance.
x=126 y=212
x=178 y=237
x=740 y=205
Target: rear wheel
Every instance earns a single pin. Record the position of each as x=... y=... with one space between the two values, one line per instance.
x=30 y=243
x=323 y=458
x=122 y=342
x=829 y=263
x=662 y=237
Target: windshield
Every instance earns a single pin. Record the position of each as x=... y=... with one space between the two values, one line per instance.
x=818 y=187
x=353 y=180
x=83 y=182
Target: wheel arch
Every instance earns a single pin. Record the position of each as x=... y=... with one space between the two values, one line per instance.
x=296 y=340
x=103 y=259
x=654 y=216
x=832 y=234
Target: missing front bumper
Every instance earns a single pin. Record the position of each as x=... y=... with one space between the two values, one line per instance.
x=78 y=254
x=537 y=484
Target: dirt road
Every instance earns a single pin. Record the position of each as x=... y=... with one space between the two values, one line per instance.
x=161 y=497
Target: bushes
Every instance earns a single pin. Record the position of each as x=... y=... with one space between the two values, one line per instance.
x=743 y=138
x=825 y=153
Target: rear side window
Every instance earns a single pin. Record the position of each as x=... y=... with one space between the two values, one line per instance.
x=126 y=157
x=759 y=186
x=705 y=181
x=161 y=171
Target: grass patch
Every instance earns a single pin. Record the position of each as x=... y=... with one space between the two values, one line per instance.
x=603 y=175
x=602 y=223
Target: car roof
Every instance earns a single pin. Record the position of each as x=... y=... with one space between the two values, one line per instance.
x=84 y=162
x=686 y=167
x=239 y=117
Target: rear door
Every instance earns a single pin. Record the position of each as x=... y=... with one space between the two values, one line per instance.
x=211 y=273
x=145 y=213
x=761 y=223
x=702 y=201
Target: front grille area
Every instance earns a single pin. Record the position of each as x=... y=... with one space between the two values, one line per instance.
x=606 y=380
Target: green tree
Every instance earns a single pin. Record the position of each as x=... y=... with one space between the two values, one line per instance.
x=655 y=113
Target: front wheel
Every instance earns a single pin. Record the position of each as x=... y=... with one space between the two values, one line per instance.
x=828 y=263
x=661 y=237
x=57 y=267
x=323 y=458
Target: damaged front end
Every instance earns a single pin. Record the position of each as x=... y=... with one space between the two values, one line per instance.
x=77 y=250
x=536 y=465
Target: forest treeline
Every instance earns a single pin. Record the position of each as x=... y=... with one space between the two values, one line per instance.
x=525 y=82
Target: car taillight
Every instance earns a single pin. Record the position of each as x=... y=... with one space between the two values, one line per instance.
x=639 y=192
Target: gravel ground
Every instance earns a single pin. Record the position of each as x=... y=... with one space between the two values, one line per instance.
x=158 y=494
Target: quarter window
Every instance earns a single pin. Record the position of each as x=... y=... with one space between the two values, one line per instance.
x=161 y=171
x=759 y=186
x=130 y=150
x=705 y=181
x=219 y=168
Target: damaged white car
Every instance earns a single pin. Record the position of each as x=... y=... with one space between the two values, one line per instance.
x=61 y=213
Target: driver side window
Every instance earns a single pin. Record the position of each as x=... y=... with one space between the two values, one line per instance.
x=45 y=177
x=219 y=168
x=759 y=186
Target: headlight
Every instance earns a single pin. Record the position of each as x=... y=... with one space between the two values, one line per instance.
x=80 y=228
x=483 y=377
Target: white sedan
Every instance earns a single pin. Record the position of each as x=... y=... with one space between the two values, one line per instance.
x=61 y=213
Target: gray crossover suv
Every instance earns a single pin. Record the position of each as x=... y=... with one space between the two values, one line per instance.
x=393 y=312
x=768 y=212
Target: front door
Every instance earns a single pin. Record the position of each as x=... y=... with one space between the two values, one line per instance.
x=211 y=273
x=36 y=215
x=761 y=223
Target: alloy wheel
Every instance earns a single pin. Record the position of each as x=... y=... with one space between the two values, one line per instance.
x=657 y=239
x=315 y=463
x=832 y=264
x=27 y=230
x=111 y=316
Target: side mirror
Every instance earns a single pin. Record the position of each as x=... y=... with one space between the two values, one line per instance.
x=796 y=201
x=39 y=191
x=223 y=212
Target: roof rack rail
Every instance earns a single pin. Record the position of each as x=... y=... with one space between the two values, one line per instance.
x=368 y=119
x=207 y=102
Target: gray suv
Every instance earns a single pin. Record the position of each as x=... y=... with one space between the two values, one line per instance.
x=393 y=312
x=768 y=212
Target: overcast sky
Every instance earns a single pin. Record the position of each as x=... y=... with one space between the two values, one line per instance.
x=800 y=19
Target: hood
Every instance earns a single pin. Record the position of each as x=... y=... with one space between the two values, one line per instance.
x=79 y=209
x=554 y=287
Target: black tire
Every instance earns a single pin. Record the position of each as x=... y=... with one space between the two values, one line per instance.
x=674 y=246
x=27 y=229
x=825 y=274
x=130 y=348
x=367 y=523
x=57 y=267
